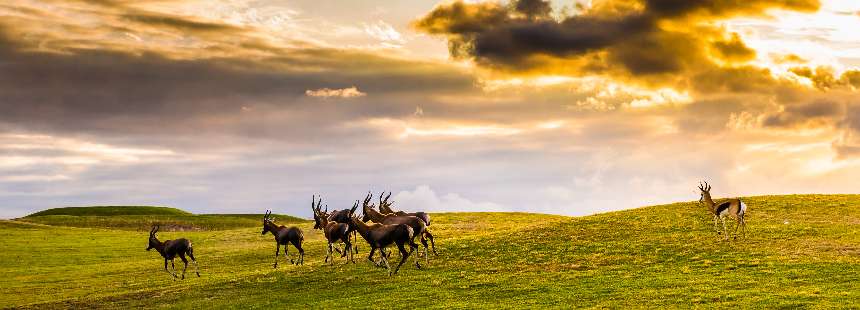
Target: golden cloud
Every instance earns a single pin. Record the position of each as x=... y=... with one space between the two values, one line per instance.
x=655 y=42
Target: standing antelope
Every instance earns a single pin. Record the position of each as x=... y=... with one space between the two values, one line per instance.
x=284 y=236
x=380 y=236
x=334 y=231
x=732 y=207
x=170 y=249
x=418 y=226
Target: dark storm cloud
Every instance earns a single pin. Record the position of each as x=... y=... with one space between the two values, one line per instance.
x=610 y=36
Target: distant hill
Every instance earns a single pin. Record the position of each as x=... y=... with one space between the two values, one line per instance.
x=143 y=217
x=111 y=211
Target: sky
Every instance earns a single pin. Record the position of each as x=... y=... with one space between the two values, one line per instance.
x=562 y=107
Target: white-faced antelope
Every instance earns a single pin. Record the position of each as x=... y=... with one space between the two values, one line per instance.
x=380 y=236
x=284 y=236
x=733 y=207
x=170 y=249
x=334 y=232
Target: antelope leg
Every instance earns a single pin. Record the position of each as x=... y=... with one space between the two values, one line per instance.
x=426 y=252
x=386 y=265
x=370 y=256
x=277 y=250
x=432 y=242
x=716 y=228
x=737 y=225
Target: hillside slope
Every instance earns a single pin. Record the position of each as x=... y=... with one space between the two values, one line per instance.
x=802 y=251
x=141 y=218
x=111 y=211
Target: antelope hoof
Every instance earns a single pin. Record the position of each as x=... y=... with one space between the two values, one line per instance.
x=198 y=274
x=275 y=266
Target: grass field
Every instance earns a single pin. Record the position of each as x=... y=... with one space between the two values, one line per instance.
x=802 y=251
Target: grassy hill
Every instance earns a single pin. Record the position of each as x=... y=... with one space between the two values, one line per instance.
x=141 y=218
x=802 y=251
x=111 y=211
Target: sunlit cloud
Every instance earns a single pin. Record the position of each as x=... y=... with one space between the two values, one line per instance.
x=325 y=93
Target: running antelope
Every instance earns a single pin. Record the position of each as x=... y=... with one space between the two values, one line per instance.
x=385 y=208
x=380 y=236
x=334 y=231
x=284 y=236
x=733 y=207
x=170 y=249
x=418 y=226
x=343 y=216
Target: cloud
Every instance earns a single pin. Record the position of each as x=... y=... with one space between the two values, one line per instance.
x=803 y=114
x=655 y=41
x=422 y=198
x=326 y=93
x=384 y=32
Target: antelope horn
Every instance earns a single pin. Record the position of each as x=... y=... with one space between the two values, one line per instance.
x=387 y=197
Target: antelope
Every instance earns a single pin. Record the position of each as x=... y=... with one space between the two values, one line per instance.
x=170 y=249
x=284 y=236
x=380 y=236
x=334 y=232
x=418 y=226
x=385 y=208
x=343 y=216
x=733 y=207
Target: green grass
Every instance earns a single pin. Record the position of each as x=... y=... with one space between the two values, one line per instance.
x=142 y=218
x=802 y=251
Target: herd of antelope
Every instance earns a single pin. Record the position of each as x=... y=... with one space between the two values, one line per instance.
x=387 y=228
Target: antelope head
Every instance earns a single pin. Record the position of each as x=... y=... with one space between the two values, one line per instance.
x=704 y=192
x=316 y=209
x=354 y=207
x=384 y=203
x=365 y=206
x=153 y=241
x=267 y=219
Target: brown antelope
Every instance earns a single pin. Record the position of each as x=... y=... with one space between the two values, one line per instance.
x=418 y=226
x=334 y=232
x=380 y=236
x=343 y=216
x=170 y=249
x=385 y=208
x=733 y=207
x=284 y=236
